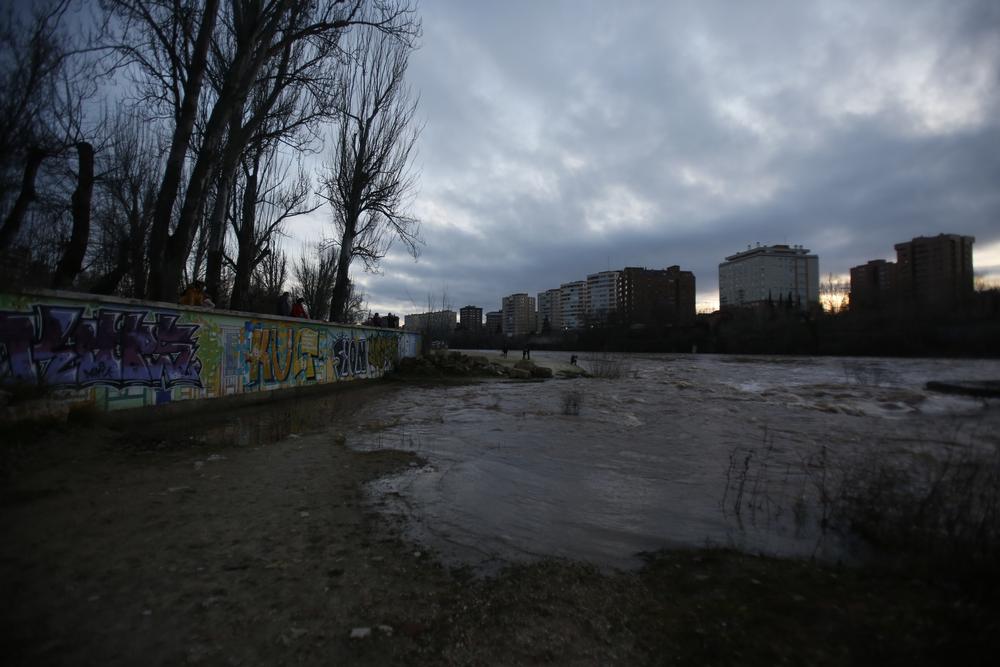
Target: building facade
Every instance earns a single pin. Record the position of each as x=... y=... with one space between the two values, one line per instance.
x=769 y=274
x=873 y=285
x=518 y=314
x=439 y=324
x=573 y=304
x=935 y=270
x=602 y=295
x=471 y=318
x=656 y=297
x=549 y=311
x=494 y=322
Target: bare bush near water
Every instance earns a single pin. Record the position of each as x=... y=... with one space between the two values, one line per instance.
x=607 y=366
x=936 y=499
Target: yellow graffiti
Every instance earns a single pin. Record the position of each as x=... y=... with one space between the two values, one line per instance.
x=382 y=352
x=307 y=343
x=272 y=359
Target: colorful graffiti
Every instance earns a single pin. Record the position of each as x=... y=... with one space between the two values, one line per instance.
x=118 y=353
x=58 y=346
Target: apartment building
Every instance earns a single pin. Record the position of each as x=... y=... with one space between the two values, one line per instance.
x=602 y=295
x=494 y=322
x=471 y=318
x=573 y=304
x=768 y=274
x=873 y=284
x=656 y=296
x=518 y=314
x=549 y=310
x=438 y=324
x=935 y=270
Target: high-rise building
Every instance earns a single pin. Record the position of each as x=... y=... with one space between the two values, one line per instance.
x=471 y=318
x=549 y=311
x=518 y=314
x=872 y=284
x=935 y=270
x=494 y=322
x=656 y=296
x=769 y=274
x=573 y=304
x=602 y=295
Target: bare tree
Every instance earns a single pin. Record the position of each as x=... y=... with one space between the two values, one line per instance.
x=263 y=46
x=40 y=110
x=269 y=197
x=315 y=271
x=369 y=184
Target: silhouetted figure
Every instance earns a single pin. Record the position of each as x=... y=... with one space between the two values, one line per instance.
x=503 y=350
x=526 y=352
x=299 y=309
x=572 y=359
x=284 y=304
x=195 y=295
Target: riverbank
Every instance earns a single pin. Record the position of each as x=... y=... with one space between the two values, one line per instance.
x=168 y=543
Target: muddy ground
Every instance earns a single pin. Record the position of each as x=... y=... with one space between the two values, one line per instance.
x=171 y=543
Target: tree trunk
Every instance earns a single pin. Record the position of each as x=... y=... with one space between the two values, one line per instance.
x=217 y=221
x=247 y=248
x=342 y=286
x=12 y=225
x=72 y=260
x=159 y=286
x=109 y=282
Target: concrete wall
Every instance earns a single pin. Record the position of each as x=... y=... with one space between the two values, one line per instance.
x=123 y=353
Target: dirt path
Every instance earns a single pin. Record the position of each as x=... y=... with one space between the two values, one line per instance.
x=147 y=545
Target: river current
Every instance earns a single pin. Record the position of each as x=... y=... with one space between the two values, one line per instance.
x=602 y=470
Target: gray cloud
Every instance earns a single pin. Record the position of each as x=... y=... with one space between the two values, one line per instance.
x=566 y=138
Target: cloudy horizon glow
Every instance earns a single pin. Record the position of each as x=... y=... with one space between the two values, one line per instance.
x=566 y=138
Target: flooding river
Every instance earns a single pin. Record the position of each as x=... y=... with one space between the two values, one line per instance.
x=677 y=451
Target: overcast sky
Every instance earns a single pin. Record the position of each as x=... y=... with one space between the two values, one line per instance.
x=566 y=138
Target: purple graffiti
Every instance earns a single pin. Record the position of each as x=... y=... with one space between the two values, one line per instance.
x=57 y=346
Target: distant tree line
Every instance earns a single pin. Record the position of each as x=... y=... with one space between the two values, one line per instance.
x=166 y=143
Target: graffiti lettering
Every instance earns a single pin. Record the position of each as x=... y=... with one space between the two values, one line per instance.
x=276 y=354
x=383 y=352
x=57 y=346
x=351 y=355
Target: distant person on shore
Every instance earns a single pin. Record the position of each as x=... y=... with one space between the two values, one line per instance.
x=526 y=352
x=299 y=309
x=572 y=360
x=284 y=307
x=503 y=350
x=195 y=295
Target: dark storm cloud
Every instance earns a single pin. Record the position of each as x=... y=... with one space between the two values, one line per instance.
x=563 y=139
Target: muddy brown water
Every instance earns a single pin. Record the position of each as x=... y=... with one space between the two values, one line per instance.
x=604 y=469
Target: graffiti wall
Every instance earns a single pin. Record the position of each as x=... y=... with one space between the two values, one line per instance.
x=121 y=353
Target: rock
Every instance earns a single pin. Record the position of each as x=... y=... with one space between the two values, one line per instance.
x=541 y=372
x=479 y=360
x=385 y=630
x=519 y=374
x=361 y=633
x=525 y=365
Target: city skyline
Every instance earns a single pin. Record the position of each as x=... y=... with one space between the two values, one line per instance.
x=655 y=134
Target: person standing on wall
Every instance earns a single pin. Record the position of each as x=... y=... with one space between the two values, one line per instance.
x=299 y=309
x=284 y=304
x=194 y=295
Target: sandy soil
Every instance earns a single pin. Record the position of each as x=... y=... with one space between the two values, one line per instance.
x=150 y=545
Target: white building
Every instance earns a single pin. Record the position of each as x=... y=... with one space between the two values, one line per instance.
x=602 y=294
x=573 y=304
x=776 y=273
